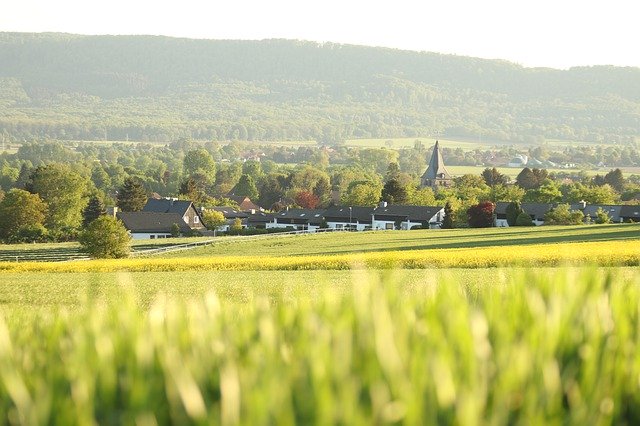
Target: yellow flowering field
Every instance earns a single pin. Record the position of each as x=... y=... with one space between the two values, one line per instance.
x=611 y=253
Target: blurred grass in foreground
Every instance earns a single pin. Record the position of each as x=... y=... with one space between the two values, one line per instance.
x=558 y=347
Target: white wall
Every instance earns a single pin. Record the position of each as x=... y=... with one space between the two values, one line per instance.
x=147 y=236
x=345 y=225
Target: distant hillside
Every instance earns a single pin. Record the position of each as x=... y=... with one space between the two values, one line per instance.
x=159 y=88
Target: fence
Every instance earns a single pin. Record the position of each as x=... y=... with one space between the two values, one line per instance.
x=228 y=239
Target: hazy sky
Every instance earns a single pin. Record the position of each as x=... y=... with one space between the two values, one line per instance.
x=558 y=33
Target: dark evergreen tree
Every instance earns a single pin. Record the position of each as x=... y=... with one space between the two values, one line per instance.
x=615 y=179
x=514 y=210
x=132 y=196
x=447 y=222
x=246 y=187
x=526 y=179
x=94 y=210
x=493 y=177
x=394 y=192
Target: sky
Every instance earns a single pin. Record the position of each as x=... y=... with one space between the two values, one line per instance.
x=557 y=34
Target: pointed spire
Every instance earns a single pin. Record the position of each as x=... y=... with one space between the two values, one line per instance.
x=436 y=169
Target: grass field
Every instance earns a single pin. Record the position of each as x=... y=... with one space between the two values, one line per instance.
x=465 y=144
x=363 y=242
x=346 y=342
x=48 y=252
x=519 y=346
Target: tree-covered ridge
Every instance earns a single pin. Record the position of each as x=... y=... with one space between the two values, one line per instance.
x=159 y=88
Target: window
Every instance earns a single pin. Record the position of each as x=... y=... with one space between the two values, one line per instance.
x=152 y=237
x=196 y=219
x=388 y=226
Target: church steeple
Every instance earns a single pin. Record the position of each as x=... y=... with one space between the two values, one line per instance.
x=436 y=174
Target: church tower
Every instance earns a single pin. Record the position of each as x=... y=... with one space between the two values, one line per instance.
x=436 y=175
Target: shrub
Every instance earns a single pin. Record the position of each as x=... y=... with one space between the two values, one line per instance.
x=602 y=216
x=481 y=215
x=513 y=210
x=563 y=215
x=35 y=233
x=106 y=238
x=524 y=219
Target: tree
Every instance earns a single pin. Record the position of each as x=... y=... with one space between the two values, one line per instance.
x=20 y=209
x=526 y=179
x=513 y=211
x=132 y=197
x=602 y=216
x=447 y=222
x=106 y=238
x=64 y=191
x=394 y=192
x=246 y=187
x=236 y=226
x=213 y=219
x=493 y=177
x=199 y=161
x=481 y=215
x=361 y=194
x=306 y=200
x=524 y=219
x=548 y=192
x=94 y=210
x=563 y=215
x=615 y=179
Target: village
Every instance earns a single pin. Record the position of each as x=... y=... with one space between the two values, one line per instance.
x=170 y=217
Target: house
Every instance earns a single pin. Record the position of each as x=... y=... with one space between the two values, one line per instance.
x=244 y=203
x=152 y=225
x=590 y=211
x=518 y=160
x=297 y=219
x=630 y=213
x=535 y=210
x=406 y=217
x=352 y=218
x=184 y=208
x=230 y=215
x=436 y=175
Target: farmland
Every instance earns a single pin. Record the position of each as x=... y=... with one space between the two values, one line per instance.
x=505 y=346
x=357 y=328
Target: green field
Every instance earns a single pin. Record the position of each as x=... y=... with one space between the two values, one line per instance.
x=464 y=144
x=483 y=347
x=381 y=241
x=543 y=345
x=49 y=252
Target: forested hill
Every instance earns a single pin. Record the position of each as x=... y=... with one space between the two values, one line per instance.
x=159 y=88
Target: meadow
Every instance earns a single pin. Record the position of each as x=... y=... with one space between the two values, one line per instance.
x=422 y=327
x=527 y=346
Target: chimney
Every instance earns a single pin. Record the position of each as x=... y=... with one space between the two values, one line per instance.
x=112 y=211
x=383 y=204
x=583 y=204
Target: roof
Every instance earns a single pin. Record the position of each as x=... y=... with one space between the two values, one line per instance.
x=436 y=169
x=167 y=205
x=229 y=212
x=627 y=212
x=591 y=209
x=244 y=203
x=342 y=214
x=138 y=222
x=412 y=213
x=301 y=215
x=259 y=217
x=536 y=210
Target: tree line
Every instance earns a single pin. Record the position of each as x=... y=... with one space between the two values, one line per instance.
x=160 y=89
x=53 y=191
